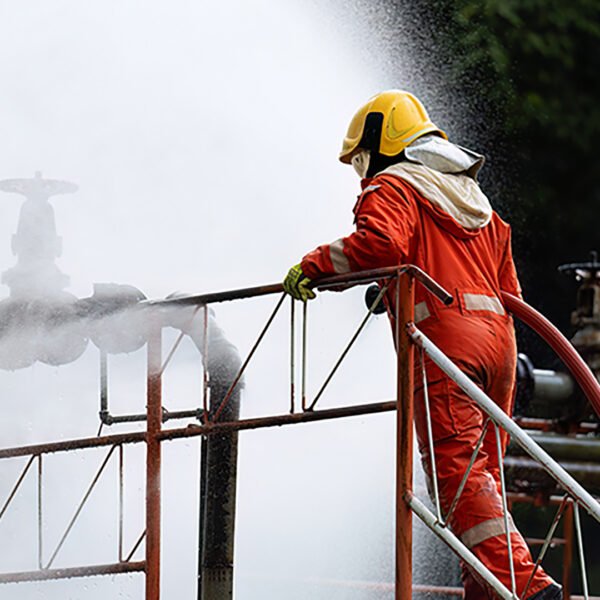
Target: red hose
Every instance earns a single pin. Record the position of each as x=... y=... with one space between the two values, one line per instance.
x=559 y=343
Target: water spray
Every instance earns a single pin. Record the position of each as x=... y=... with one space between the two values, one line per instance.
x=40 y=321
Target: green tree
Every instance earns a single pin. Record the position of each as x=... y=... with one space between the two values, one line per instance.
x=531 y=69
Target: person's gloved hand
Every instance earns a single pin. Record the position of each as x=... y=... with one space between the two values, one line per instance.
x=296 y=284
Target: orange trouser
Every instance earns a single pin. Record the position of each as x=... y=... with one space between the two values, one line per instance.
x=490 y=360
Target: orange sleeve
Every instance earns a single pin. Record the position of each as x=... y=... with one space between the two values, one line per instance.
x=507 y=273
x=386 y=222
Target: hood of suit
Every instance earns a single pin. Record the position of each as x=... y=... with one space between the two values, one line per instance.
x=456 y=194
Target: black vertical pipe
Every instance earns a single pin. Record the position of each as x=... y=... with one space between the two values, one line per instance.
x=202 y=511
x=218 y=461
x=218 y=474
x=219 y=500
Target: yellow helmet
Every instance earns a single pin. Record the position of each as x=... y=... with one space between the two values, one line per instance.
x=387 y=124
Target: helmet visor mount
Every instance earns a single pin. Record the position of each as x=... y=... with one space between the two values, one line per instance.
x=370 y=143
x=371 y=137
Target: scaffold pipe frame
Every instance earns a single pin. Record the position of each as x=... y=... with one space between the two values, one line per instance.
x=398 y=281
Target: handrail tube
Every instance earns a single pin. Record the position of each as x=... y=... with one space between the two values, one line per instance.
x=73 y=444
x=109 y=419
x=215 y=297
x=430 y=284
x=71 y=572
x=405 y=360
x=430 y=520
x=278 y=420
x=195 y=430
x=502 y=419
x=276 y=288
x=407 y=502
x=559 y=343
x=153 y=467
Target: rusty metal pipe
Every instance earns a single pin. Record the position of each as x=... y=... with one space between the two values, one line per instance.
x=216 y=297
x=153 y=467
x=195 y=430
x=404 y=436
x=74 y=444
x=107 y=418
x=278 y=420
x=438 y=589
x=322 y=284
x=167 y=415
x=49 y=574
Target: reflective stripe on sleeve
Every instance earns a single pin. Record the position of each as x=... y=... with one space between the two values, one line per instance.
x=421 y=312
x=338 y=258
x=481 y=302
x=488 y=529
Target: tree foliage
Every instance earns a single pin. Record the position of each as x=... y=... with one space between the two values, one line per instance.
x=533 y=66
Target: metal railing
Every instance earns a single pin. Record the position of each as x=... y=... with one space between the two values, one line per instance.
x=397 y=283
x=211 y=424
x=574 y=492
x=45 y=561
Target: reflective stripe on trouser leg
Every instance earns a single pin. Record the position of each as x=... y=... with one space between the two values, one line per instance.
x=490 y=528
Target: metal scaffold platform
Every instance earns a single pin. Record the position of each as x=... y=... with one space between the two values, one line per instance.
x=217 y=422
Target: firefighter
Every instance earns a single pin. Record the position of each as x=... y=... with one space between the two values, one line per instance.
x=421 y=204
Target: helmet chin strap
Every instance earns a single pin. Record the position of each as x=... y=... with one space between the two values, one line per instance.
x=360 y=162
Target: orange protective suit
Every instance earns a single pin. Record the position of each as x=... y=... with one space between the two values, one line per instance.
x=395 y=224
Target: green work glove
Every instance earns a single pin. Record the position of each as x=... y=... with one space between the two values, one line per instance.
x=296 y=284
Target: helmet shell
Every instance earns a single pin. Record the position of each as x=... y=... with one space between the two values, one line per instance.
x=404 y=120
